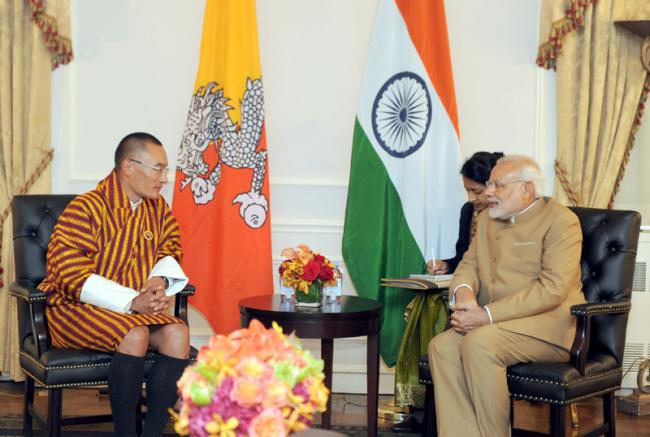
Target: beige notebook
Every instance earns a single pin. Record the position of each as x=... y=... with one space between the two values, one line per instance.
x=418 y=282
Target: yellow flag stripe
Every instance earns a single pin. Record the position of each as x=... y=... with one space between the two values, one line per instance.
x=229 y=49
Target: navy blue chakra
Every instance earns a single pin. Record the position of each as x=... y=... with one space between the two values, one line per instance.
x=401 y=114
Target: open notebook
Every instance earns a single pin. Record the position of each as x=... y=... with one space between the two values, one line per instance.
x=418 y=282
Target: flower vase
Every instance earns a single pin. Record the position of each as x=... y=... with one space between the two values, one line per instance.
x=313 y=296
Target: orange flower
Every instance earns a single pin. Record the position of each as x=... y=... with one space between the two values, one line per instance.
x=304 y=254
x=289 y=253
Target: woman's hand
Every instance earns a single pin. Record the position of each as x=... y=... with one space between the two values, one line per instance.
x=437 y=267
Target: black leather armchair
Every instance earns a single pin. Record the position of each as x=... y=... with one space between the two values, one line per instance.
x=610 y=240
x=34 y=216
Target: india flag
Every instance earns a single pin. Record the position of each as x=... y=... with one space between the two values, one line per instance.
x=405 y=190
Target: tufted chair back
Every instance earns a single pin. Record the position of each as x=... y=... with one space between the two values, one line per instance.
x=34 y=217
x=610 y=240
x=55 y=369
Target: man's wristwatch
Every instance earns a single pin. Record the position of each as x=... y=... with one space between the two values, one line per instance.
x=165 y=280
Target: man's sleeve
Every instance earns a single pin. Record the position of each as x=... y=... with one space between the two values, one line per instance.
x=71 y=251
x=561 y=251
x=170 y=269
x=466 y=273
x=170 y=236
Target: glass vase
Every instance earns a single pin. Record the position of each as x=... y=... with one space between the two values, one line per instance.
x=312 y=298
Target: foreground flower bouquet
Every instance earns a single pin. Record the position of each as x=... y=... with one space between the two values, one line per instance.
x=307 y=272
x=254 y=382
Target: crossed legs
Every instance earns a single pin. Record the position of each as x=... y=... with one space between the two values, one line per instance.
x=469 y=377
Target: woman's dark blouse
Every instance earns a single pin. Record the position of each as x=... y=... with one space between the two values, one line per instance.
x=464 y=236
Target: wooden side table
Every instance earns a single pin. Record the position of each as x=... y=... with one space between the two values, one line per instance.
x=351 y=317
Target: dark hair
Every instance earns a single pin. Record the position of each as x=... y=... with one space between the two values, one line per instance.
x=131 y=143
x=479 y=166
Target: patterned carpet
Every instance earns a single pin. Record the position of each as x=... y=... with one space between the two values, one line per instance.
x=11 y=425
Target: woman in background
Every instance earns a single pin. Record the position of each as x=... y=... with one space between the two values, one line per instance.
x=428 y=313
x=476 y=172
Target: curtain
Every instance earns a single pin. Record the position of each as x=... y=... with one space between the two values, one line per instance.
x=31 y=46
x=601 y=88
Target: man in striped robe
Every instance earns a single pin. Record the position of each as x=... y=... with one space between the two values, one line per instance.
x=112 y=265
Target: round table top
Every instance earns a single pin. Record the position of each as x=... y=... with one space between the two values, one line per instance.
x=349 y=307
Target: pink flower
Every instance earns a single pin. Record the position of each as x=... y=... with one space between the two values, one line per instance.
x=270 y=423
x=275 y=394
x=247 y=392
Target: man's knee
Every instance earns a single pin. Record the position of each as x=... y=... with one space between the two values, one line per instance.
x=176 y=340
x=178 y=333
x=444 y=345
x=136 y=341
x=480 y=344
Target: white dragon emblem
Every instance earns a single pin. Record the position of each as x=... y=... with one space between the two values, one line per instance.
x=208 y=122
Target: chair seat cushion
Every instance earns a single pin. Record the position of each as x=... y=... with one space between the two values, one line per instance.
x=560 y=383
x=59 y=368
x=424 y=374
x=555 y=383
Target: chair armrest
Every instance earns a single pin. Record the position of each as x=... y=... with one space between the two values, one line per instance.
x=180 y=305
x=596 y=308
x=35 y=298
x=188 y=290
x=27 y=291
x=584 y=312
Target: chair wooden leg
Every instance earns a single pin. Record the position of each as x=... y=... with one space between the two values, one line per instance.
x=558 y=420
x=429 y=425
x=575 y=419
x=609 y=413
x=139 y=416
x=28 y=402
x=54 y=399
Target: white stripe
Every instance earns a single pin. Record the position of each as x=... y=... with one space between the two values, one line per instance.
x=428 y=181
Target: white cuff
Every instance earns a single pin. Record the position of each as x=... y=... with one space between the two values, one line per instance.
x=104 y=293
x=487 y=310
x=170 y=269
x=452 y=301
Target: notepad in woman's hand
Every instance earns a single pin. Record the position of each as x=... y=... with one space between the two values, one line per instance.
x=418 y=282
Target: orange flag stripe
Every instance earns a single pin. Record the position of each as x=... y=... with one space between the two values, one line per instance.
x=427 y=26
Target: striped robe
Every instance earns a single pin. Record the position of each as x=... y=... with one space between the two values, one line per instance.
x=99 y=233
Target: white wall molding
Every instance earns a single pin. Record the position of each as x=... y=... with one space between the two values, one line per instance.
x=320 y=183
x=306 y=226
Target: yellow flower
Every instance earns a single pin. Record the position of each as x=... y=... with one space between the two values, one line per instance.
x=251 y=367
x=220 y=428
x=181 y=423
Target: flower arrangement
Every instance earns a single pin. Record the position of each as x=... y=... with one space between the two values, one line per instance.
x=254 y=382
x=304 y=269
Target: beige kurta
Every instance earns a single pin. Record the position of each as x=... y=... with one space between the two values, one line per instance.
x=527 y=272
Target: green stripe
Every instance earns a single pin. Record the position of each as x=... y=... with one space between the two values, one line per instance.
x=377 y=241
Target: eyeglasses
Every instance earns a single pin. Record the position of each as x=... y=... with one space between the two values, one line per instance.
x=498 y=185
x=160 y=170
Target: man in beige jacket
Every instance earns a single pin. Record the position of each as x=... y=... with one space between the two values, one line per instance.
x=510 y=297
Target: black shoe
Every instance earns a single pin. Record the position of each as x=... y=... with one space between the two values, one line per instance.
x=410 y=424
